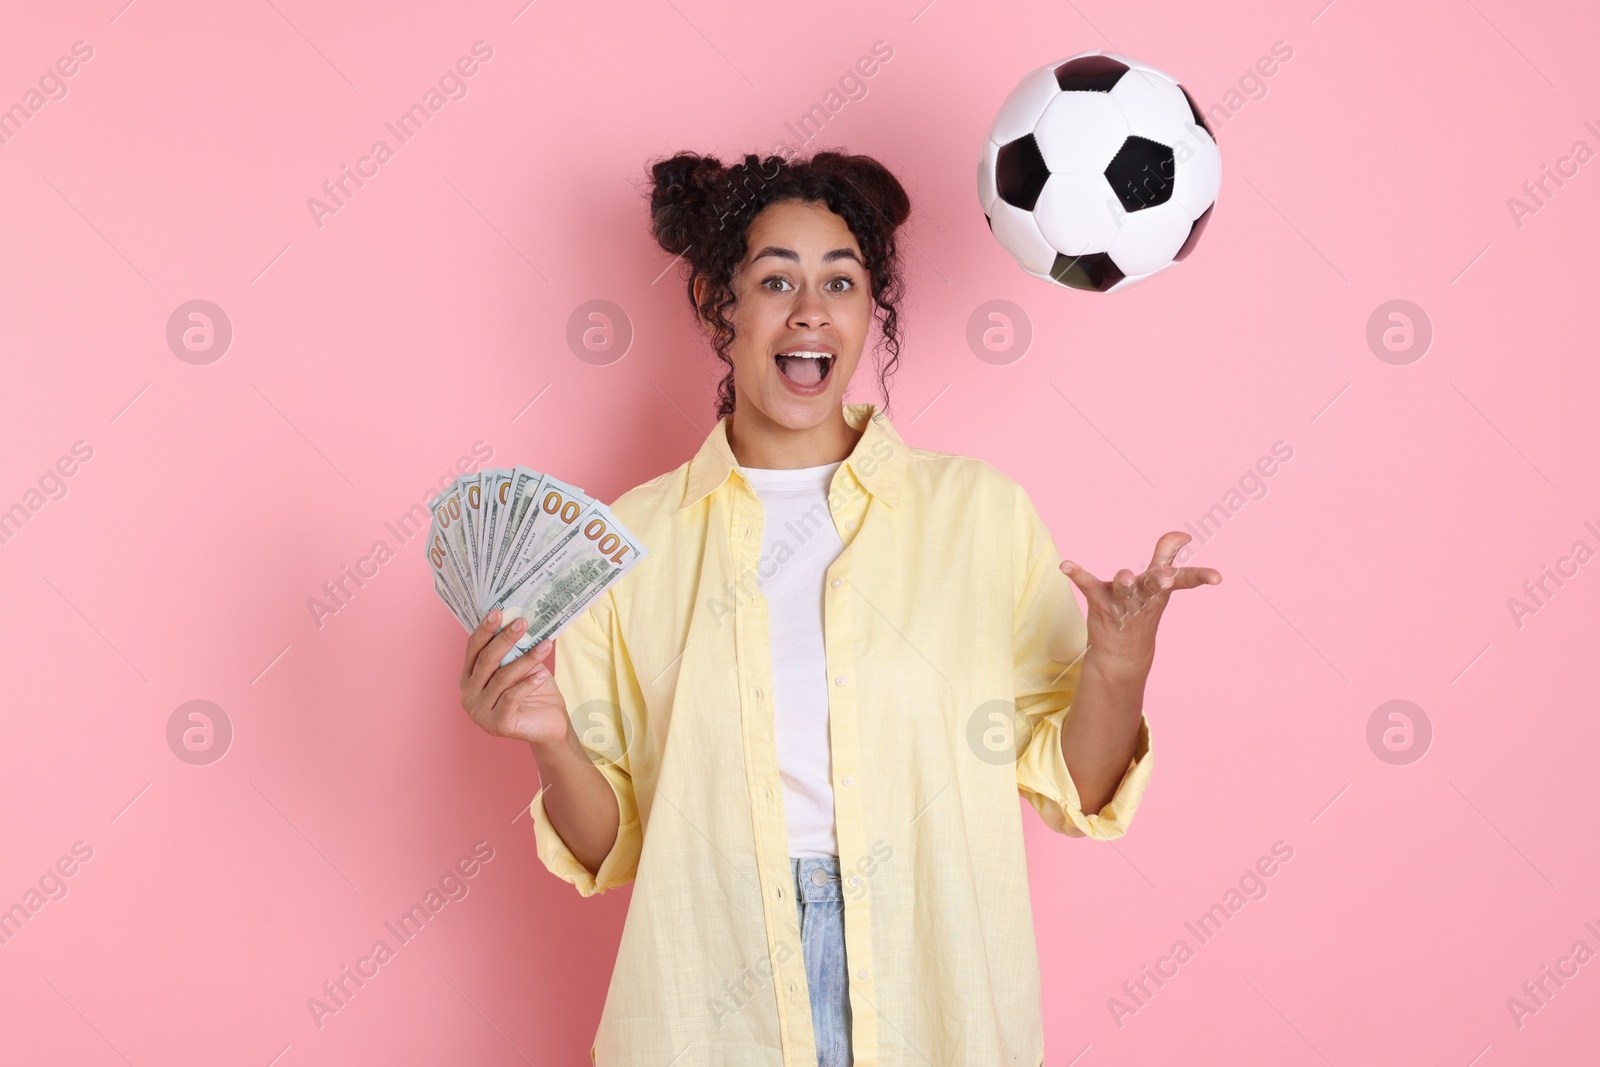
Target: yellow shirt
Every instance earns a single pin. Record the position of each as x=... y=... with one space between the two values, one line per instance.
x=953 y=647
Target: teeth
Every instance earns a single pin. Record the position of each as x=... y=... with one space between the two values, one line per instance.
x=807 y=353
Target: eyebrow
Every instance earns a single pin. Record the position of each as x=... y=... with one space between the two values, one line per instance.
x=790 y=254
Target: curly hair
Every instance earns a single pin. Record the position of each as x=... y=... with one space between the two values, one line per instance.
x=702 y=210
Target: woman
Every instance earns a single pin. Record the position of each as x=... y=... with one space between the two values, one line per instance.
x=801 y=723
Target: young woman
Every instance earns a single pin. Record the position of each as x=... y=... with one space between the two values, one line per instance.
x=801 y=724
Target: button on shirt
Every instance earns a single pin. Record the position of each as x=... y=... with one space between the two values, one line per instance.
x=953 y=646
x=798 y=544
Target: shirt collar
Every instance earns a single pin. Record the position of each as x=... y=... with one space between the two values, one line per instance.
x=879 y=468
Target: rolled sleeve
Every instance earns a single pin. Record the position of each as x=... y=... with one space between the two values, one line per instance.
x=1042 y=778
x=1050 y=638
x=604 y=701
x=620 y=864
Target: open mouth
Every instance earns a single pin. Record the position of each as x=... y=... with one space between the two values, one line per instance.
x=806 y=368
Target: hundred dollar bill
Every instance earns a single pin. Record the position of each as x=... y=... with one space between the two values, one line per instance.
x=524 y=480
x=493 y=481
x=553 y=507
x=445 y=545
x=560 y=584
x=472 y=511
x=454 y=603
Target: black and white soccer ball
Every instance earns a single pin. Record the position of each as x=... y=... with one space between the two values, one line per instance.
x=1099 y=172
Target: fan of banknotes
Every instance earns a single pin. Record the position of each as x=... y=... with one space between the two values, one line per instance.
x=521 y=541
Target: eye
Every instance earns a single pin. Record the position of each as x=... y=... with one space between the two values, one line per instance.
x=845 y=283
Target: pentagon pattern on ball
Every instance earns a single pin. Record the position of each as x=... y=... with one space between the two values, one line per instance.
x=1020 y=173
x=1095 y=272
x=1093 y=73
x=1098 y=172
x=1141 y=173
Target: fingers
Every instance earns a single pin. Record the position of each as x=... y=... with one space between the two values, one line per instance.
x=516 y=671
x=1127 y=593
x=1093 y=589
x=1122 y=587
x=1180 y=577
x=1167 y=548
x=541 y=651
x=507 y=702
x=1189 y=577
x=475 y=642
x=1132 y=592
x=495 y=651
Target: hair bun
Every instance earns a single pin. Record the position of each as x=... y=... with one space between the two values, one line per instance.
x=684 y=188
x=872 y=179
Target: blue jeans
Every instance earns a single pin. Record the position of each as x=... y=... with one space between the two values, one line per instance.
x=819 y=897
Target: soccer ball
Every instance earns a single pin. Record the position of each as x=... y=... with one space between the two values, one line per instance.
x=1099 y=172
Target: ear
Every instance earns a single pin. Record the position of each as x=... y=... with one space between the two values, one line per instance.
x=701 y=291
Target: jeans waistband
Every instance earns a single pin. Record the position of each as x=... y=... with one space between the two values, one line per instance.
x=810 y=885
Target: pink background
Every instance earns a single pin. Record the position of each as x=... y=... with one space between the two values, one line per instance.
x=371 y=353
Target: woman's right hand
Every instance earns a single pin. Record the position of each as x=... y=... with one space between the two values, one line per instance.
x=518 y=700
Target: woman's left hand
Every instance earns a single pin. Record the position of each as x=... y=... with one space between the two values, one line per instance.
x=1123 y=613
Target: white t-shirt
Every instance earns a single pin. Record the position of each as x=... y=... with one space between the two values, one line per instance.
x=797 y=529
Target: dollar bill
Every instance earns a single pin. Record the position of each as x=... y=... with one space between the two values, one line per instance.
x=472 y=514
x=444 y=549
x=453 y=601
x=527 y=543
x=494 y=483
x=553 y=507
x=524 y=482
x=575 y=568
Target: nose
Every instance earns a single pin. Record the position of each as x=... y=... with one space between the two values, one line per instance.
x=810 y=312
